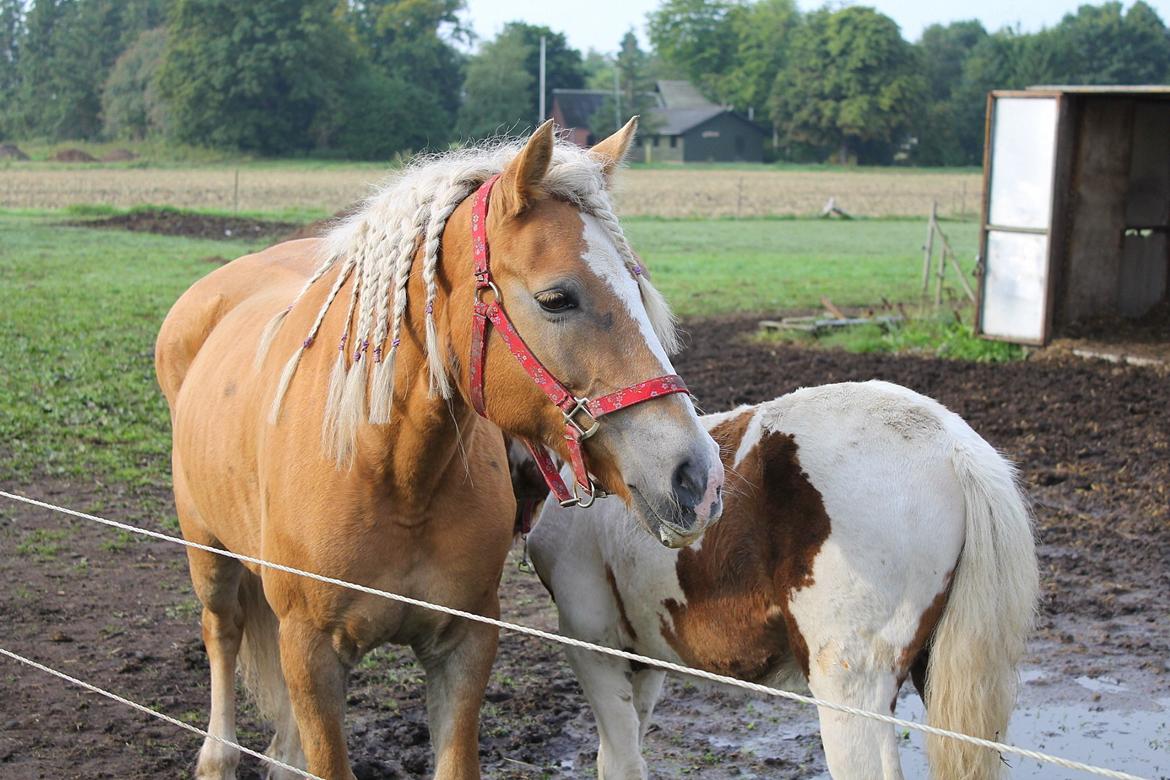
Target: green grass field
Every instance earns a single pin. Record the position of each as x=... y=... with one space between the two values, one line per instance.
x=80 y=308
x=707 y=267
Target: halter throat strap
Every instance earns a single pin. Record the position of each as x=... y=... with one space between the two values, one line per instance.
x=582 y=416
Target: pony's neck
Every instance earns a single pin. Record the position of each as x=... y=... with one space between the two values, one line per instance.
x=425 y=444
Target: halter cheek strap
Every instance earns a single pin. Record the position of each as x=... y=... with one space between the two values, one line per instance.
x=581 y=415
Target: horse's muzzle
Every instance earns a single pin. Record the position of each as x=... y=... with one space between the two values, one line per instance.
x=694 y=503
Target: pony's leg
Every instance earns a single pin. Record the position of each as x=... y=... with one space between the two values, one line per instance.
x=856 y=748
x=217 y=582
x=316 y=687
x=608 y=685
x=458 y=667
x=647 y=690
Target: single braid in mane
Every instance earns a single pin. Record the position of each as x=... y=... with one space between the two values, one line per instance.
x=290 y=367
x=375 y=249
x=330 y=431
x=440 y=384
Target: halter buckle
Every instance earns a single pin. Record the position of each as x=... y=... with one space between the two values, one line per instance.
x=581 y=405
x=587 y=501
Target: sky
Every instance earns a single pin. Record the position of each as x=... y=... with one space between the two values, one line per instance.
x=600 y=24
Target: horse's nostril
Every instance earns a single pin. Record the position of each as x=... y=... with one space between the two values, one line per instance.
x=689 y=484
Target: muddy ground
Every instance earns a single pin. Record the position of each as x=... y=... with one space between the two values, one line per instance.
x=170 y=222
x=1092 y=439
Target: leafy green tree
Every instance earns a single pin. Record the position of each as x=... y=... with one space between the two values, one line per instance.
x=564 y=68
x=697 y=39
x=598 y=68
x=384 y=115
x=851 y=82
x=67 y=51
x=131 y=105
x=414 y=42
x=497 y=90
x=763 y=31
x=266 y=75
x=944 y=50
x=56 y=99
x=11 y=35
x=1104 y=44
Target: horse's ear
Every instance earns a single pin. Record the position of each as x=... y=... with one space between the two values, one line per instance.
x=520 y=182
x=613 y=150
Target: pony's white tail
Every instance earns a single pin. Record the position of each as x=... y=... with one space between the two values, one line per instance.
x=259 y=660
x=977 y=646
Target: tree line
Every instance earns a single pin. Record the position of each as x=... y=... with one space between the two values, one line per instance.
x=374 y=78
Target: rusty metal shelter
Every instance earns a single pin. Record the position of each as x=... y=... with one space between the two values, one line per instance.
x=1076 y=208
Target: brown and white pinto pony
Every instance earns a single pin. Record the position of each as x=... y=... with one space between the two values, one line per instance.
x=869 y=534
x=368 y=463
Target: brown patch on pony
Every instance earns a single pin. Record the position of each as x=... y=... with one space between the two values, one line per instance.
x=729 y=433
x=914 y=657
x=738 y=584
x=627 y=626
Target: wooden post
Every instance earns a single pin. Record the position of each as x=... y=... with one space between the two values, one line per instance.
x=959 y=272
x=928 y=248
x=942 y=272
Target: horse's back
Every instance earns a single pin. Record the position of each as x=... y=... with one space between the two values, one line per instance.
x=276 y=272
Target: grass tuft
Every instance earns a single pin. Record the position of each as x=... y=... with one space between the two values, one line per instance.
x=942 y=337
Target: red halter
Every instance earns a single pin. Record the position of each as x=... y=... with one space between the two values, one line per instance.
x=572 y=407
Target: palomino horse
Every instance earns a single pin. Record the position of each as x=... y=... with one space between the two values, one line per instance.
x=869 y=535
x=384 y=474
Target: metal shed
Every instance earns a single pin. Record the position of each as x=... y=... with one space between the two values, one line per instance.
x=1076 y=208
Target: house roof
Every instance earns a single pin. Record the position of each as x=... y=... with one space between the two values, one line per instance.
x=578 y=105
x=667 y=121
x=681 y=95
x=676 y=121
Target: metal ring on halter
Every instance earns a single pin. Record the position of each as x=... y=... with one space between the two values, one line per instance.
x=492 y=285
x=581 y=405
x=578 y=501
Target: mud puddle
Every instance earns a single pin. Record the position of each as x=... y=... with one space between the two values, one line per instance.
x=1118 y=724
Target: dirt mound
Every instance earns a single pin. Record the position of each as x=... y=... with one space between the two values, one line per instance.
x=119 y=155
x=12 y=152
x=319 y=227
x=74 y=155
x=179 y=223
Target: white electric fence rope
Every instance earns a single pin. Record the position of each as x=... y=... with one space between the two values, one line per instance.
x=570 y=641
x=155 y=713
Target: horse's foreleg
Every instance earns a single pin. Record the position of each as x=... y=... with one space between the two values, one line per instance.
x=216 y=580
x=608 y=685
x=457 y=671
x=316 y=687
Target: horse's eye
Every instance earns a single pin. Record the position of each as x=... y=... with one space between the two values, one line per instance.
x=555 y=301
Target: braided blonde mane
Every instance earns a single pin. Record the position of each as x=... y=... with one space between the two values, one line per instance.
x=377 y=246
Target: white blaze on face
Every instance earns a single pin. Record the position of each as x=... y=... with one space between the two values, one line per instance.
x=603 y=259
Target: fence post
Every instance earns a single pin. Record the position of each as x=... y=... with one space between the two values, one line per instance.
x=928 y=248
